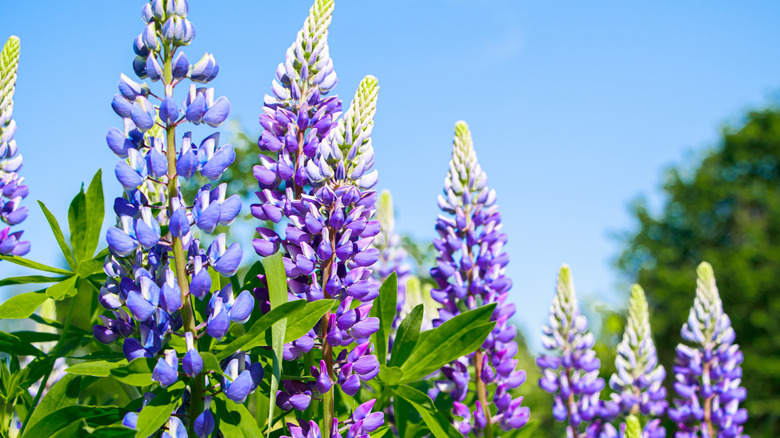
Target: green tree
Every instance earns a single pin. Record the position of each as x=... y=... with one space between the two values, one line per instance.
x=724 y=209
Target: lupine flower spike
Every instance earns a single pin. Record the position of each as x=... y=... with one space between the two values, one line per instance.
x=392 y=256
x=707 y=369
x=570 y=369
x=12 y=187
x=157 y=266
x=316 y=178
x=470 y=272
x=638 y=382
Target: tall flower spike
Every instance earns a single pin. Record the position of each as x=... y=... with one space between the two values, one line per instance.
x=318 y=188
x=638 y=382
x=392 y=256
x=570 y=370
x=707 y=369
x=470 y=272
x=12 y=187
x=157 y=266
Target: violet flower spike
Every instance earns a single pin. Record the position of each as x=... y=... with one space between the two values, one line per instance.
x=12 y=187
x=570 y=369
x=470 y=272
x=707 y=369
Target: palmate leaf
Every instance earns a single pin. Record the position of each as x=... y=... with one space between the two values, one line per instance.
x=454 y=338
x=64 y=417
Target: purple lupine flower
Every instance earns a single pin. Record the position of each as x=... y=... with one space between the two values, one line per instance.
x=157 y=266
x=12 y=187
x=315 y=178
x=638 y=383
x=708 y=374
x=392 y=256
x=359 y=425
x=570 y=371
x=470 y=272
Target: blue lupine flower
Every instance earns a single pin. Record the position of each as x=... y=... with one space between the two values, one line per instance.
x=708 y=375
x=12 y=187
x=204 y=424
x=156 y=261
x=166 y=371
x=470 y=272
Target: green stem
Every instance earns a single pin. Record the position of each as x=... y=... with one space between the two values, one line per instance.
x=482 y=394
x=179 y=257
x=57 y=349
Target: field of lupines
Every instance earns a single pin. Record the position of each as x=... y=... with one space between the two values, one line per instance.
x=327 y=333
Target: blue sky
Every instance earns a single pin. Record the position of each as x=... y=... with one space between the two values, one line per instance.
x=575 y=107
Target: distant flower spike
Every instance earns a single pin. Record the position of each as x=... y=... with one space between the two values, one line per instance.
x=12 y=187
x=392 y=256
x=638 y=382
x=708 y=375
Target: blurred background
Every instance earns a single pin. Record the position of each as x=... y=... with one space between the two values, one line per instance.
x=630 y=141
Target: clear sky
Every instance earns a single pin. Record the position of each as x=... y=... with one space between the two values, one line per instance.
x=575 y=107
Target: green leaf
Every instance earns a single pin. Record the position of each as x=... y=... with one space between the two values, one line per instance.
x=13 y=345
x=414 y=395
x=95 y=214
x=60 y=419
x=385 y=309
x=211 y=363
x=157 y=412
x=299 y=323
x=255 y=336
x=27 y=263
x=436 y=422
x=28 y=279
x=390 y=376
x=64 y=393
x=77 y=223
x=92 y=266
x=65 y=288
x=277 y=292
x=113 y=431
x=21 y=306
x=448 y=342
x=97 y=368
x=406 y=336
x=235 y=420
x=55 y=228
x=136 y=373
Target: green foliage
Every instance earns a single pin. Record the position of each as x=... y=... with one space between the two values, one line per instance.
x=277 y=292
x=724 y=208
x=384 y=308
